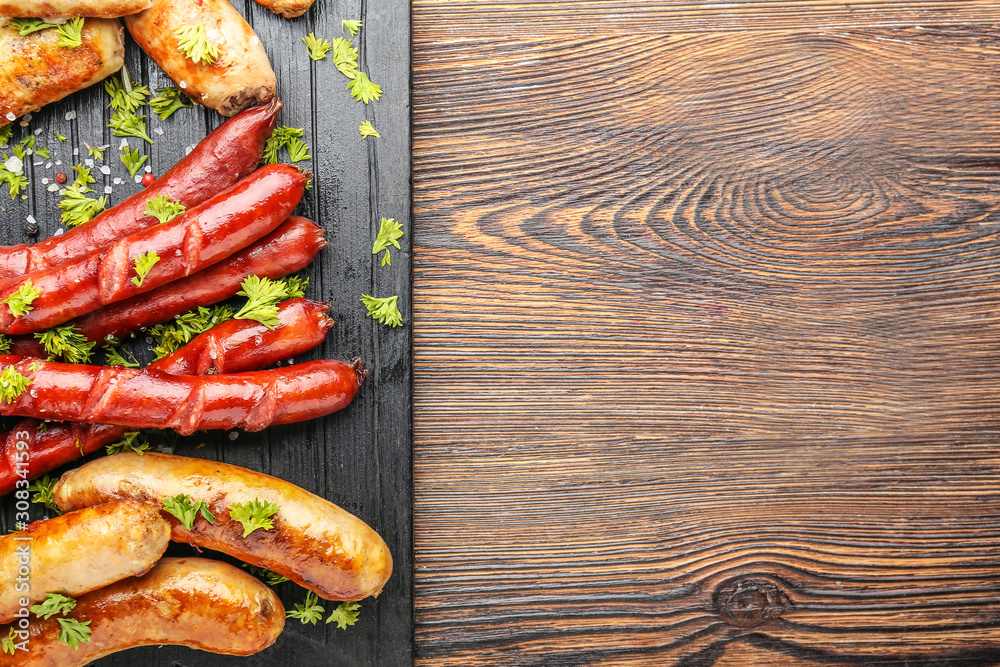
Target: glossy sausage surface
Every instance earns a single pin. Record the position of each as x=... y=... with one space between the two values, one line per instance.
x=229 y=153
x=314 y=543
x=239 y=77
x=287 y=8
x=217 y=228
x=69 y=8
x=289 y=248
x=79 y=551
x=35 y=70
x=194 y=602
x=234 y=346
x=144 y=398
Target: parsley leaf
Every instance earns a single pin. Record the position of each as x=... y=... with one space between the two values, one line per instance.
x=124 y=124
x=270 y=578
x=96 y=152
x=43 y=488
x=388 y=233
x=285 y=137
x=164 y=210
x=173 y=335
x=66 y=343
x=186 y=510
x=143 y=265
x=345 y=57
x=5 y=134
x=317 y=46
x=20 y=301
x=368 y=130
x=363 y=90
x=124 y=96
x=254 y=514
x=128 y=444
x=132 y=160
x=43 y=152
x=168 y=100
x=351 y=26
x=192 y=41
x=12 y=384
x=116 y=357
x=70 y=33
x=77 y=208
x=345 y=614
x=263 y=296
x=72 y=632
x=60 y=137
x=4 y=344
x=8 y=645
x=55 y=603
x=26 y=26
x=309 y=612
x=12 y=173
x=383 y=309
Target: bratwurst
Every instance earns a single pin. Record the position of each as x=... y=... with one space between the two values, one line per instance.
x=79 y=552
x=194 y=602
x=49 y=9
x=313 y=542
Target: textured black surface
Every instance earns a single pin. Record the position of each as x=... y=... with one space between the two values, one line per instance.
x=359 y=458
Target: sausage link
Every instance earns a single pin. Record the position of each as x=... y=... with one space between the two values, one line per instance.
x=193 y=602
x=238 y=77
x=231 y=347
x=231 y=152
x=288 y=249
x=147 y=398
x=49 y=9
x=224 y=224
x=236 y=346
x=314 y=543
x=35 y=70
x=290 y=9
x=79 y=551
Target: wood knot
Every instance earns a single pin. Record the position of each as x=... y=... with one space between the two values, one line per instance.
x=746 y=602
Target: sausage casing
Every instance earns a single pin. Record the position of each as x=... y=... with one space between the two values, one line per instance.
x=194 y=602
x=314 y=543
x=79 y=552
x=239 y=77
x=48 y=9
x=35 y=71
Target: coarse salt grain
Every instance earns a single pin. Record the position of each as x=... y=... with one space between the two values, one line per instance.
x=159 y=131
x=38 y=131
x=70 y=115
x=149 y=170
x=76 y=151
x=31 y=219
x=233 y=435
x=48 y=165
x=10 y=116
x=123 y=145
x=118 y=181
x=107 y=189
x=59 y=232
x=53 y=188
x=183 y=85
x=138 y=178
x=45 y=181
x=255 y=40
x=106 y=170
x=187 y=151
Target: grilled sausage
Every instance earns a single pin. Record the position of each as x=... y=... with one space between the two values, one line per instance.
x=194 y=602
x=287 y=8
x=49 y=9
x=239 y=77
x=35 y=71
x=209 y=232
x=147 y=398
x=314 y=543
x=79 y=552
x=232 y=151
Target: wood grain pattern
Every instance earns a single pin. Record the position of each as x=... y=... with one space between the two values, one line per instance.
x=359 y=458
x=705 y=339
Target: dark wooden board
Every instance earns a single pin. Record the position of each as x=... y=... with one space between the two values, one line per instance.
x=706 y=354
x=359 y=458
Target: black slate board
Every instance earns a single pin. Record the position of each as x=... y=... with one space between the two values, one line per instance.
x=359 y=458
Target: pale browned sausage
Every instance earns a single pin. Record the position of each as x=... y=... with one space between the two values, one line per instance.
x=194 y=602
x=35 y=71
x=48 y=9
x=79 y=552
x=314 y=543
x=239 y=77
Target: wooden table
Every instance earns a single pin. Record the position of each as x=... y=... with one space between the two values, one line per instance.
x=706 y=321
